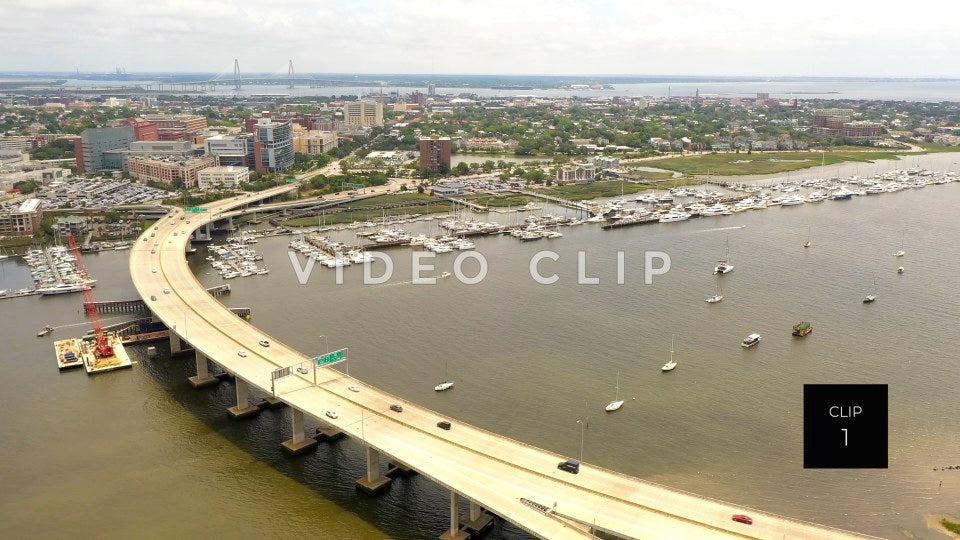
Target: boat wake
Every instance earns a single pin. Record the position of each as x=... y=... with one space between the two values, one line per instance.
x=719 y=229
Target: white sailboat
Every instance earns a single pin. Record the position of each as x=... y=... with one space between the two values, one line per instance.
x=900 y=252
x=672 y=363
x=716 y=297
x=808 y=238
x=724 y=265
x=446 y=384
x=617 y=402
x=873 y=295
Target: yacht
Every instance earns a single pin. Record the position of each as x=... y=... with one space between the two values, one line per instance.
x=672 y=363
x=724 y=266
x=791 y=201
x=842 y=194
x=617 y=402
x=61 y=288
x=900 y=252
x=674 y=215
x=750 y=340
x=445 y=385
x=816 y=196
x=714 y=210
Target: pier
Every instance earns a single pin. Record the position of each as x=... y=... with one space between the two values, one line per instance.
x=557 y=200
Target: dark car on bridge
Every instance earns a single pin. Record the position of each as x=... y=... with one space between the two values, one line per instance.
x=570 y=465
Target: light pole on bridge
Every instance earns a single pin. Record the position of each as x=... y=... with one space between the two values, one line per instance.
x=582 y=423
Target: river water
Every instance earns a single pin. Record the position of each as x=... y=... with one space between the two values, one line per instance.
x=141 y=453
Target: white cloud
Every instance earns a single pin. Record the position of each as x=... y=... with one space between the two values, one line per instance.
x=746 y=37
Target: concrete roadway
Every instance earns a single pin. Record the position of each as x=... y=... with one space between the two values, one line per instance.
x=494 y=471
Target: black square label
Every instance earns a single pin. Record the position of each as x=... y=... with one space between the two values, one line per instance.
x=845 y=426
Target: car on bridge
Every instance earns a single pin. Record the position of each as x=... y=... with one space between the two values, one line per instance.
x=443 y=424
x=242 y=353
x=396 y=408
x=741 y=518
x=571 y=466
x=332 y=414
x=353 y=388
x=264 y=343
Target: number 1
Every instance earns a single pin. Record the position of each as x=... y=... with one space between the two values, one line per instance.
x=844 y=430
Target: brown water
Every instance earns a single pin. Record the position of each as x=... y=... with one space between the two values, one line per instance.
x=140 y=453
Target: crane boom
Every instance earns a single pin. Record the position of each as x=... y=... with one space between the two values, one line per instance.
x=104 y=349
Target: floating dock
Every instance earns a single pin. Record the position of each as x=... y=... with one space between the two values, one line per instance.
x=83 y=350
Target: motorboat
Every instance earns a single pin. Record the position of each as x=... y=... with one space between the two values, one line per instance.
x=45 y=330
x=869 y=298
x=674 y=215
x=750 y=341
x=445 y=385
x=900 y=270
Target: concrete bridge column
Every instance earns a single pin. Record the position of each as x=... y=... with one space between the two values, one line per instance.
x=454 y=532
x=299 y=443
x=203 y=377
x=243 y=409
x=375 y=481
x=480 y=522
x=175 y=346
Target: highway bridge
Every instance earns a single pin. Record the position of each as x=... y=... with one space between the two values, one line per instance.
x=494 y=474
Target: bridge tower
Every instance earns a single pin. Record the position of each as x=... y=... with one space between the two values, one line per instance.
x=236 y=74
x=291 y=77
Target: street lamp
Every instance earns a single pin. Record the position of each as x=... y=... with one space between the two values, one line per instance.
x=581 y=439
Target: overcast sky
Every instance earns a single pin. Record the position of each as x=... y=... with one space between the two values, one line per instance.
x=919 y=38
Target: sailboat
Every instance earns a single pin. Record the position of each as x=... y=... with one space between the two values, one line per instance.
x=873 y=295
x=716 y=297
x=808 y=238
x=445 y=385
x=900 y=252
x=672 y=363
x=724 y=266
x=617 y=402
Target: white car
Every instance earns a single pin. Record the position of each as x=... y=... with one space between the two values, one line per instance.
x=264 y=343
x=353 y=388
x=166 y=290
x=303 y=370
x=154 y=269
x=242 y=353
x=332 y=414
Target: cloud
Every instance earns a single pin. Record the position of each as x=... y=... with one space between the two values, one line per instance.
x=747 y=37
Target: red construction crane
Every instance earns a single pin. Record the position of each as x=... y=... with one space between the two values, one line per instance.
x=104 y=349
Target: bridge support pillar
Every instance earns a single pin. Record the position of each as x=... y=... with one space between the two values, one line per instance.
x=375 y=481
x=243 y=409
x=480 y=522
x=203 y=377
x=175 y=345
x=299 y=443
x=454 y=532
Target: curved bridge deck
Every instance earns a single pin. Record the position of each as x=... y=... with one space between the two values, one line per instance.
x=498 y=473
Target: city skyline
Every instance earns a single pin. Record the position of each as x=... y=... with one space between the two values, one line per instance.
x=550 y=38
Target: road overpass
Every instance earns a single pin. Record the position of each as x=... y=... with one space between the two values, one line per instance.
x=492 y=472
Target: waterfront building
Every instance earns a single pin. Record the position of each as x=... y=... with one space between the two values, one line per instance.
x=435 y=154
x=222 y=177
x=76 y=225
x=363 y=113
x=169 y=170
x=24 y=220
x=89 y=148
x=576 y=172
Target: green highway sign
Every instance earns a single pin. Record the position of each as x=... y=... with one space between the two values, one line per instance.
x=332 y=358
x=291 y=180
x=195 y=209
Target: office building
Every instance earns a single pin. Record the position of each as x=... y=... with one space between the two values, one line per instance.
x=142 y=130
x=24 y=220
x=314 y=142
x=363 y=113
x=272 y=145
x=222 y=177
x=175 y=127
x=840 y=123
x=168 y=170
x=435 y=154
x=93 y=142
x=231 y=150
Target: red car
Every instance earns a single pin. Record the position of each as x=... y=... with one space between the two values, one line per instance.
x=740 y=518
